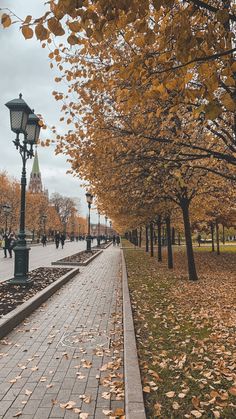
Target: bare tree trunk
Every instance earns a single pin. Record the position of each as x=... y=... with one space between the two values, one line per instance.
x=179 y=239
x=169 y=243
x=173 y=236
x=159 y=256
x=212 y=238
x=163 y=235
x=223 y=234
x=217 y=238
x=147 y=241
x=140 y=237
x=151 y=239
x=192 y=272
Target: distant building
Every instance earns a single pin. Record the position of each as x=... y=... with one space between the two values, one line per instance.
x=35 y=184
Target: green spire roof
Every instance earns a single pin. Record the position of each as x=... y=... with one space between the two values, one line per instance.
x=35 y=168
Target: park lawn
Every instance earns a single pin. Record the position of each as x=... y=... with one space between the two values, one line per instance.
x=227 y=248
x=185 y=334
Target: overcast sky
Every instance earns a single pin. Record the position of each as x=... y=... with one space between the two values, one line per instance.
x=24 y=68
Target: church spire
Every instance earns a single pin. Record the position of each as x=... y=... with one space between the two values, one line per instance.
x=35 y=185
x=35 y=168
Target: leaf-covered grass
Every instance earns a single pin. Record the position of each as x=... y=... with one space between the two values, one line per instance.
x=224 y=248
x=185 y=334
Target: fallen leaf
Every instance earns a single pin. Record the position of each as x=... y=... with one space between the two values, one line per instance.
x=76 y=410
x=175 y=405
x=28 y=392
x=119 y=412
x=107 y=412
x=196 y=413
x=170 y=394
x=232 y=391
x=106 y=395
x=195 y=402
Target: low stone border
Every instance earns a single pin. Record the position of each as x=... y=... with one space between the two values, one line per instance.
x=12 y=319
x=134 y=405
x=60 y=261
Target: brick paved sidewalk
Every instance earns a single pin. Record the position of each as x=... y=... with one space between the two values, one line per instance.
x=69 y=350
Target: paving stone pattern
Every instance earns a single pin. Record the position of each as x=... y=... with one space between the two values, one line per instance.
x=70 y=347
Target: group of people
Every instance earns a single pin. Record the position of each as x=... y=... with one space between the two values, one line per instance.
x=8 y=242
x=59 y=238
x=116 y=240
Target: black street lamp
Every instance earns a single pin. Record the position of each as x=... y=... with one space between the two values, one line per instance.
x=23 y=121
x=44 y=218
x=6 y=210
x=99 y=238
x=89 y=198
x=110 y=226
x=106 y=218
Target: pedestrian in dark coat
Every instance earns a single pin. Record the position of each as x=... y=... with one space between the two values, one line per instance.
x=7 y=245
x=62 y=238
x=118 y=240
x=57 y=239
x=44 y=240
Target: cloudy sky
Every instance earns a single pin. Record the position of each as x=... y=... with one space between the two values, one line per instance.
x=24 y=68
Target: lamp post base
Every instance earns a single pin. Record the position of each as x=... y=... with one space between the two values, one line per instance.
x=21 y=266
x=26 y=281
x=88 y=249
x=98 y=242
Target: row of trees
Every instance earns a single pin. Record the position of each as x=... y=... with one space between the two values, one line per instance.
x=150 y=104
x=42 y=214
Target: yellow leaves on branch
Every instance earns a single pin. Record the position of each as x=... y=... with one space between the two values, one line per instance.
x=55 y=26
x=27 y=32
x=41 y=32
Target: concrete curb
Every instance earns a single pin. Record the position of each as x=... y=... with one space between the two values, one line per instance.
x=12 y=319
x=134 y=405
x=59 y=262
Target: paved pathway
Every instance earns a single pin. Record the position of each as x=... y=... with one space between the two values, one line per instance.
x=68 y=350
x=40 y=256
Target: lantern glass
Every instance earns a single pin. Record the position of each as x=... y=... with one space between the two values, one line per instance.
x=89 y=198
x=18 y=120
x=32 y=129
x=19 y=111
x=6 y=208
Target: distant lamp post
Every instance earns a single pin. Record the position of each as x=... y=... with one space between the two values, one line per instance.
x=110 y=226
x=89 y=198
x=44 y=219
x=106 y=218
x=98 y=237
x=6 y=210
x=23 y=121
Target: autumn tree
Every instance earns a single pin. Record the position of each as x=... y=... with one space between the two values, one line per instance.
x=64 y=207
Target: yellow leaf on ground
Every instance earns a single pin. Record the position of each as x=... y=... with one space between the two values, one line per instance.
x=170 y=394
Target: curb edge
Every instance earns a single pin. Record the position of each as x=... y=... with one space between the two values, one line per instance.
x=134 y=404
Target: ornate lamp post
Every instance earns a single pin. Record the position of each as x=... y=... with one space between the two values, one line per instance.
x=106 y=218
x=44 y=218
x=6 y=210
x=89 y=198
x=110 y=226
x=98 y=238
x=23 y=121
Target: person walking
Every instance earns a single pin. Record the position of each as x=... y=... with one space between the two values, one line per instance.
x=62 y=239
x=114 y=240
x=7 y=244
x=57 y=239
x=44 y=240
x=118 y=240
